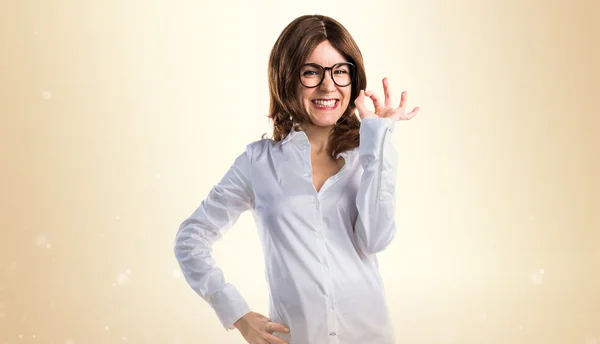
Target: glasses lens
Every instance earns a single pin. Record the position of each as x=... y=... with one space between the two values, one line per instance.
x=342 y=74
x=311 y=76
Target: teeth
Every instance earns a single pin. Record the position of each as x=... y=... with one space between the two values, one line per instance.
x=324 y=102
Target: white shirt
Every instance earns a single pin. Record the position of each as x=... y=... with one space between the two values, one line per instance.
x=319 y=247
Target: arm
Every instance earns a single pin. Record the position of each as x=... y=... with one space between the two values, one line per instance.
x=196 y=235
x=375 y=200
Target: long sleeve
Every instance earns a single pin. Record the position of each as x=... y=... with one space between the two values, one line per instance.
x=375 y=226
x=193 y=244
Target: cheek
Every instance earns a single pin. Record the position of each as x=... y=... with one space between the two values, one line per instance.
x=306 y=96
x=348 y=94
x=303 y=95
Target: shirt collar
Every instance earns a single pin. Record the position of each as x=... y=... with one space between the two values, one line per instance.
x=293 y=133
x=298 y=134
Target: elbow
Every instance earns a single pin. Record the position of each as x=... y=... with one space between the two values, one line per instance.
x=179 y=246
x=190 y=240
x=373 y=244
x=373 y=248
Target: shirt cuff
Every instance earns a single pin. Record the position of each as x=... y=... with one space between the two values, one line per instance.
x=229 y=305
x=372 y=135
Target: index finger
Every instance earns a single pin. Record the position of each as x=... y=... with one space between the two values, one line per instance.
x=277 y=327
x=274 y=339
x=374 y=98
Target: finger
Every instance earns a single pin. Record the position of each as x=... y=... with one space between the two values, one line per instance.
x=403 y=99
x=360 y=104
x=387 y=92
x=277 y=327
x=413 y=113
x=271 y=339
x=375 y=99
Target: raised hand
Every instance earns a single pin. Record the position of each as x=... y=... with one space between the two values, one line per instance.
x=258 y=329
x=385 y=109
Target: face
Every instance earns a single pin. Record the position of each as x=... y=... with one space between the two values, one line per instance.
x=318 y=100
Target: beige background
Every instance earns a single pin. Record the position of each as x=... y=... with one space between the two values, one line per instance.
x=117 y=117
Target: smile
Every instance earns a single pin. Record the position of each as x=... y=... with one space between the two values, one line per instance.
x=329 y=104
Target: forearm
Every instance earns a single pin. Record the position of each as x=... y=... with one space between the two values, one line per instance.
x=375 y=201
x=193 y=250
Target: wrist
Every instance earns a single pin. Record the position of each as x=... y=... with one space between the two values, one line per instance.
x=241 y=321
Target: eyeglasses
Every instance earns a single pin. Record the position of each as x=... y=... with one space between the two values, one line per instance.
x=312 y=74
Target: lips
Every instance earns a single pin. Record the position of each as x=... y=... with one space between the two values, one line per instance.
x=322 y=103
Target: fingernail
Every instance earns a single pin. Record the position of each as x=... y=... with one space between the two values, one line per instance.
x=287 y=329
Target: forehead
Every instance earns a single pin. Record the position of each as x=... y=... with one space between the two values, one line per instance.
x=325 y=55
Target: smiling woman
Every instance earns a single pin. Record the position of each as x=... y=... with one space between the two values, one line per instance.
x=334 y=85
x=301 y=70
x=322 y=192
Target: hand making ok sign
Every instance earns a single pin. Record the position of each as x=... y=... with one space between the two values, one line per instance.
x=384 y=110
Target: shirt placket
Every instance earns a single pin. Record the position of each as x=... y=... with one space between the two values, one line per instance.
x=330 y=301
x=324 y=252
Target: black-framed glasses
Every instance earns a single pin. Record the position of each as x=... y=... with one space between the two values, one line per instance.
x=312 y=74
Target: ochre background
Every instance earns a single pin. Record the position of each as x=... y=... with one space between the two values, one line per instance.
x=117 y=117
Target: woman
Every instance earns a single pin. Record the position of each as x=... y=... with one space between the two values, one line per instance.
x=322 y=195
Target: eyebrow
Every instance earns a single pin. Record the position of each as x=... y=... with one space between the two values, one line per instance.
x=326 y=66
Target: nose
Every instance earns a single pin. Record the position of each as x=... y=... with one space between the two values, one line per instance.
x=328 y=84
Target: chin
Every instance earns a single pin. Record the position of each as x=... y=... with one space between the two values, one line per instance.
x=325 y=118
x=324 y=121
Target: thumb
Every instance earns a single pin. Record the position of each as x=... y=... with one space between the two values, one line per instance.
x=363 y=112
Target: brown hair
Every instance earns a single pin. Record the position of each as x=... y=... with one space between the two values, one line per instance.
x=294 y=45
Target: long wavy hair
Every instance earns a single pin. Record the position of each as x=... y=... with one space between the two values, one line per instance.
x=294 y=45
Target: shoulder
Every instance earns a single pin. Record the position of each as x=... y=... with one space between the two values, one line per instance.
x=257 y=148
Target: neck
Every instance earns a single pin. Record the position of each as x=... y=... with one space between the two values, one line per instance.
x=318 y=138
